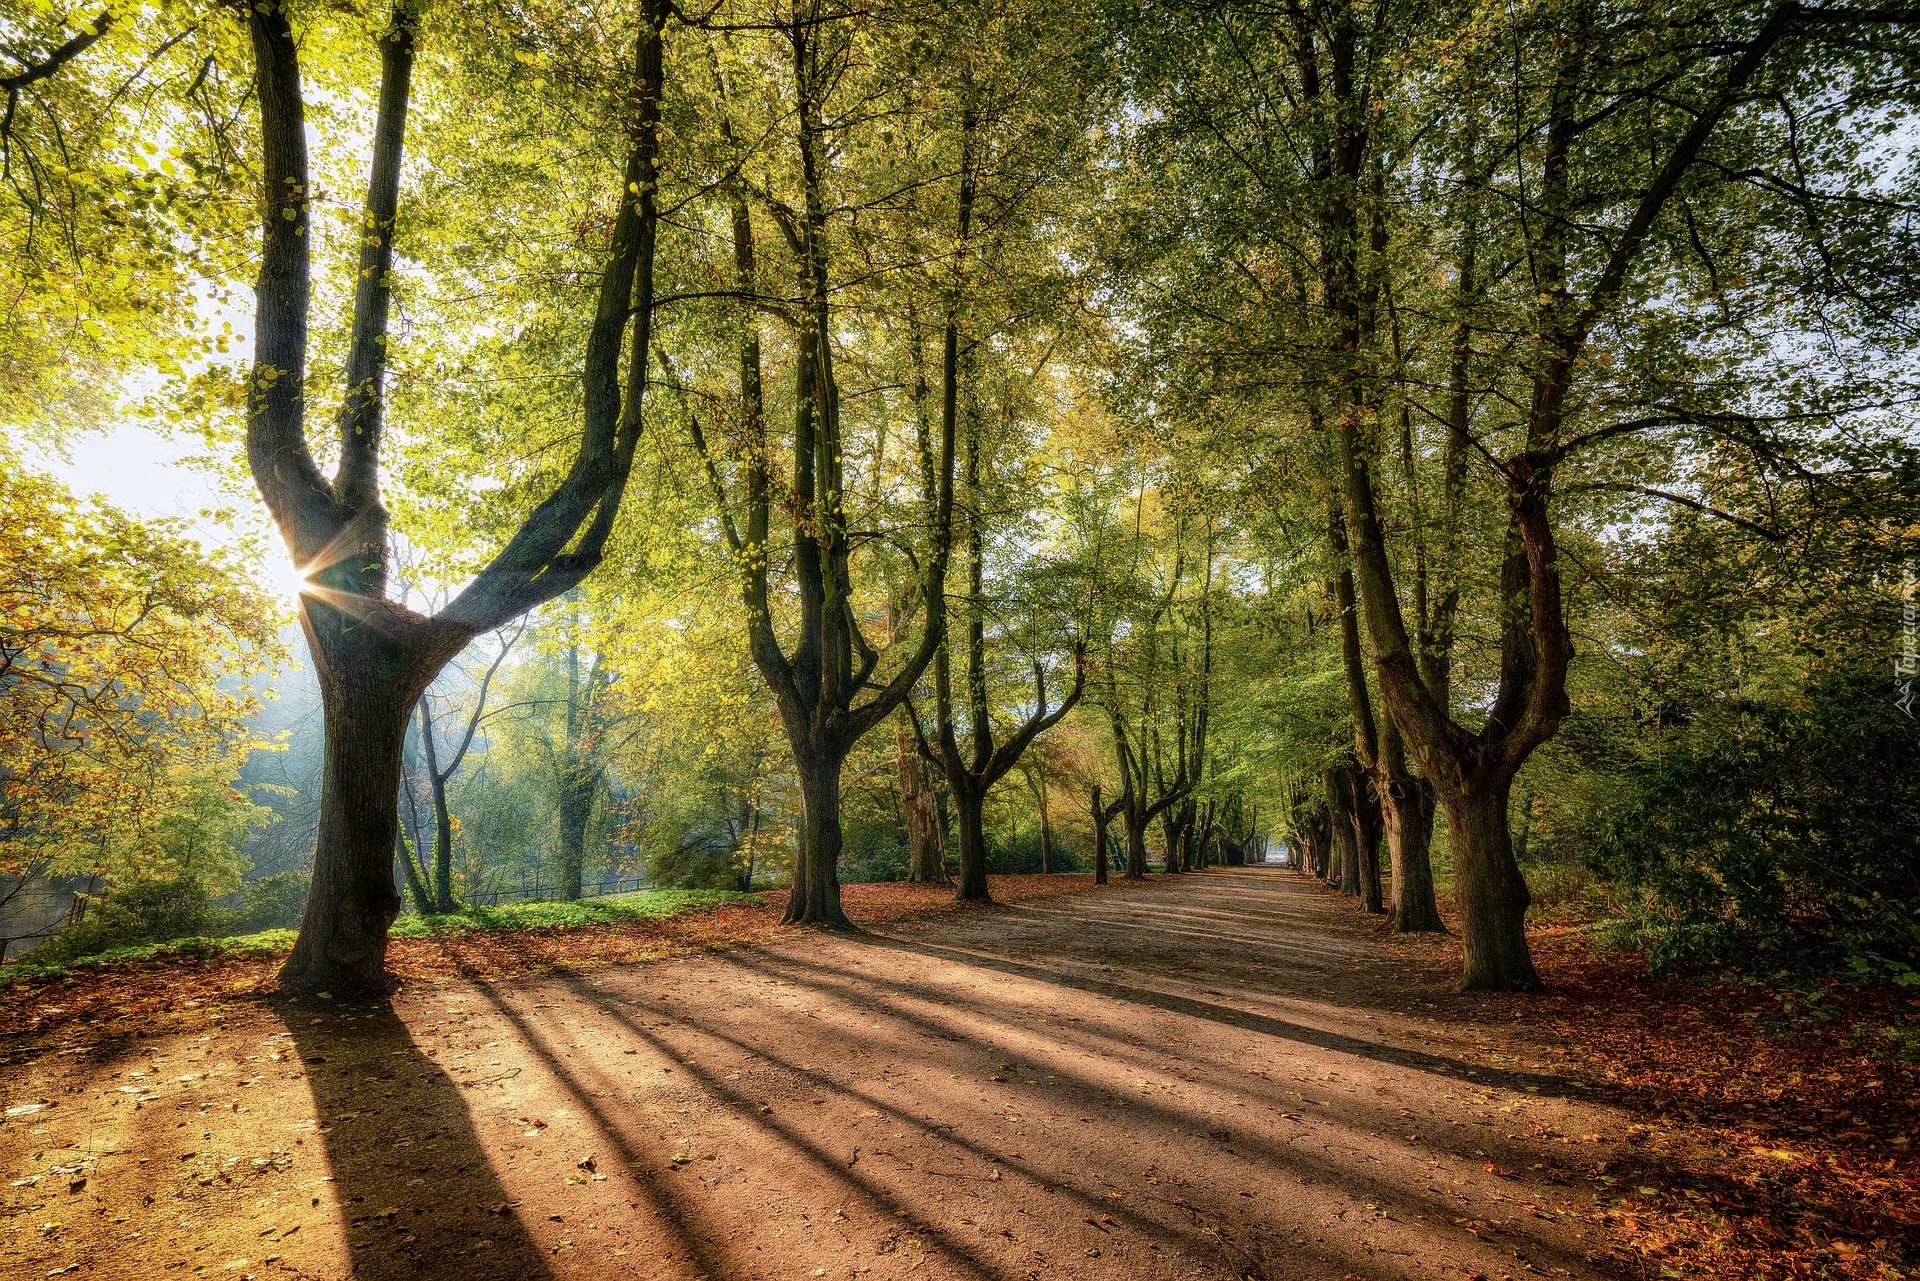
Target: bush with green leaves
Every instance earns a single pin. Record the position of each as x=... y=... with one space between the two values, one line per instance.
x=1019 y=854
x=140 y=912
x=272 y=902
x=874 y=847
x=1777 y=834
x=702 y=857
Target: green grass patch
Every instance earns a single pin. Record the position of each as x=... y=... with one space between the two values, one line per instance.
x=613 y=909
x=265 y=943
x=644 y=905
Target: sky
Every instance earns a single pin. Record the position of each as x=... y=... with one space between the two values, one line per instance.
x=145 y=473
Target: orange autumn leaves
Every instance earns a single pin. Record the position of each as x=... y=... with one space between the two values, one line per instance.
x=124 y=652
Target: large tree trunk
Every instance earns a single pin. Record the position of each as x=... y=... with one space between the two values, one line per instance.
x=815 y=899
x=577 y=788
x=374 y=656
x=926 y=837
x=1407 y=810
x=368 y=686
x=818 y=685
x=1492 y=893
x=969 y=821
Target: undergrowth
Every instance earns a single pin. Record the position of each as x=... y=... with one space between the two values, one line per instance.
x=266 y=942
x=645 y=905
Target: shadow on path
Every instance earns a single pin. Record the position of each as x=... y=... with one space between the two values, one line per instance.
x=411 y=1176
x=1172 y=1003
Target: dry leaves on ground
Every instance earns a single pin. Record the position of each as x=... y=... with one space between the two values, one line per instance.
x=1781 y=1127
x=169 y=993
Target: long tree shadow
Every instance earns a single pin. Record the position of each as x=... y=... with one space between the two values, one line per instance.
x=1090 y=1036
x=1626 y=1099
x=1639 y=1099
x=836 y=1169
x=678 y=1214
x=1354 y=1181
x=410 y=1173
x=1173 y=1003
x=1211 y=1235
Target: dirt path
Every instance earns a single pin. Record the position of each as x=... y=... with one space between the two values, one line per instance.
x=1227 y=1076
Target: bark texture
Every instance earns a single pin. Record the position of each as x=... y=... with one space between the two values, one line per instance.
x=926 y=835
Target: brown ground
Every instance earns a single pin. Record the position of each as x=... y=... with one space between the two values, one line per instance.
x=1231 y=1075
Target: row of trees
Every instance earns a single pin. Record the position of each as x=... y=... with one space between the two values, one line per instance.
x=1320 y=418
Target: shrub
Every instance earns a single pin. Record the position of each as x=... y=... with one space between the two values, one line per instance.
x=139 y=912
x=873 y=846
x=272 y=902
x=1775 y=835
x=1021 y=855
x=696 y=859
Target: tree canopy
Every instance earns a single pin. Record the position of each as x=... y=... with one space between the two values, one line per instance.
x=1463 y=446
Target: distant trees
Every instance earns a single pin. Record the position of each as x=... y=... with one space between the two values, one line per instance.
x=438 y=765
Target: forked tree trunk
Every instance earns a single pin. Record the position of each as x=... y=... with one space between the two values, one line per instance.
x=374 y=657
x=819 y=683
x=815 y=899
x=1472 y=770
x=1492 y=893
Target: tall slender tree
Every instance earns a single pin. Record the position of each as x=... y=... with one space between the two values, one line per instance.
x=824 y=685
x=440 y=774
